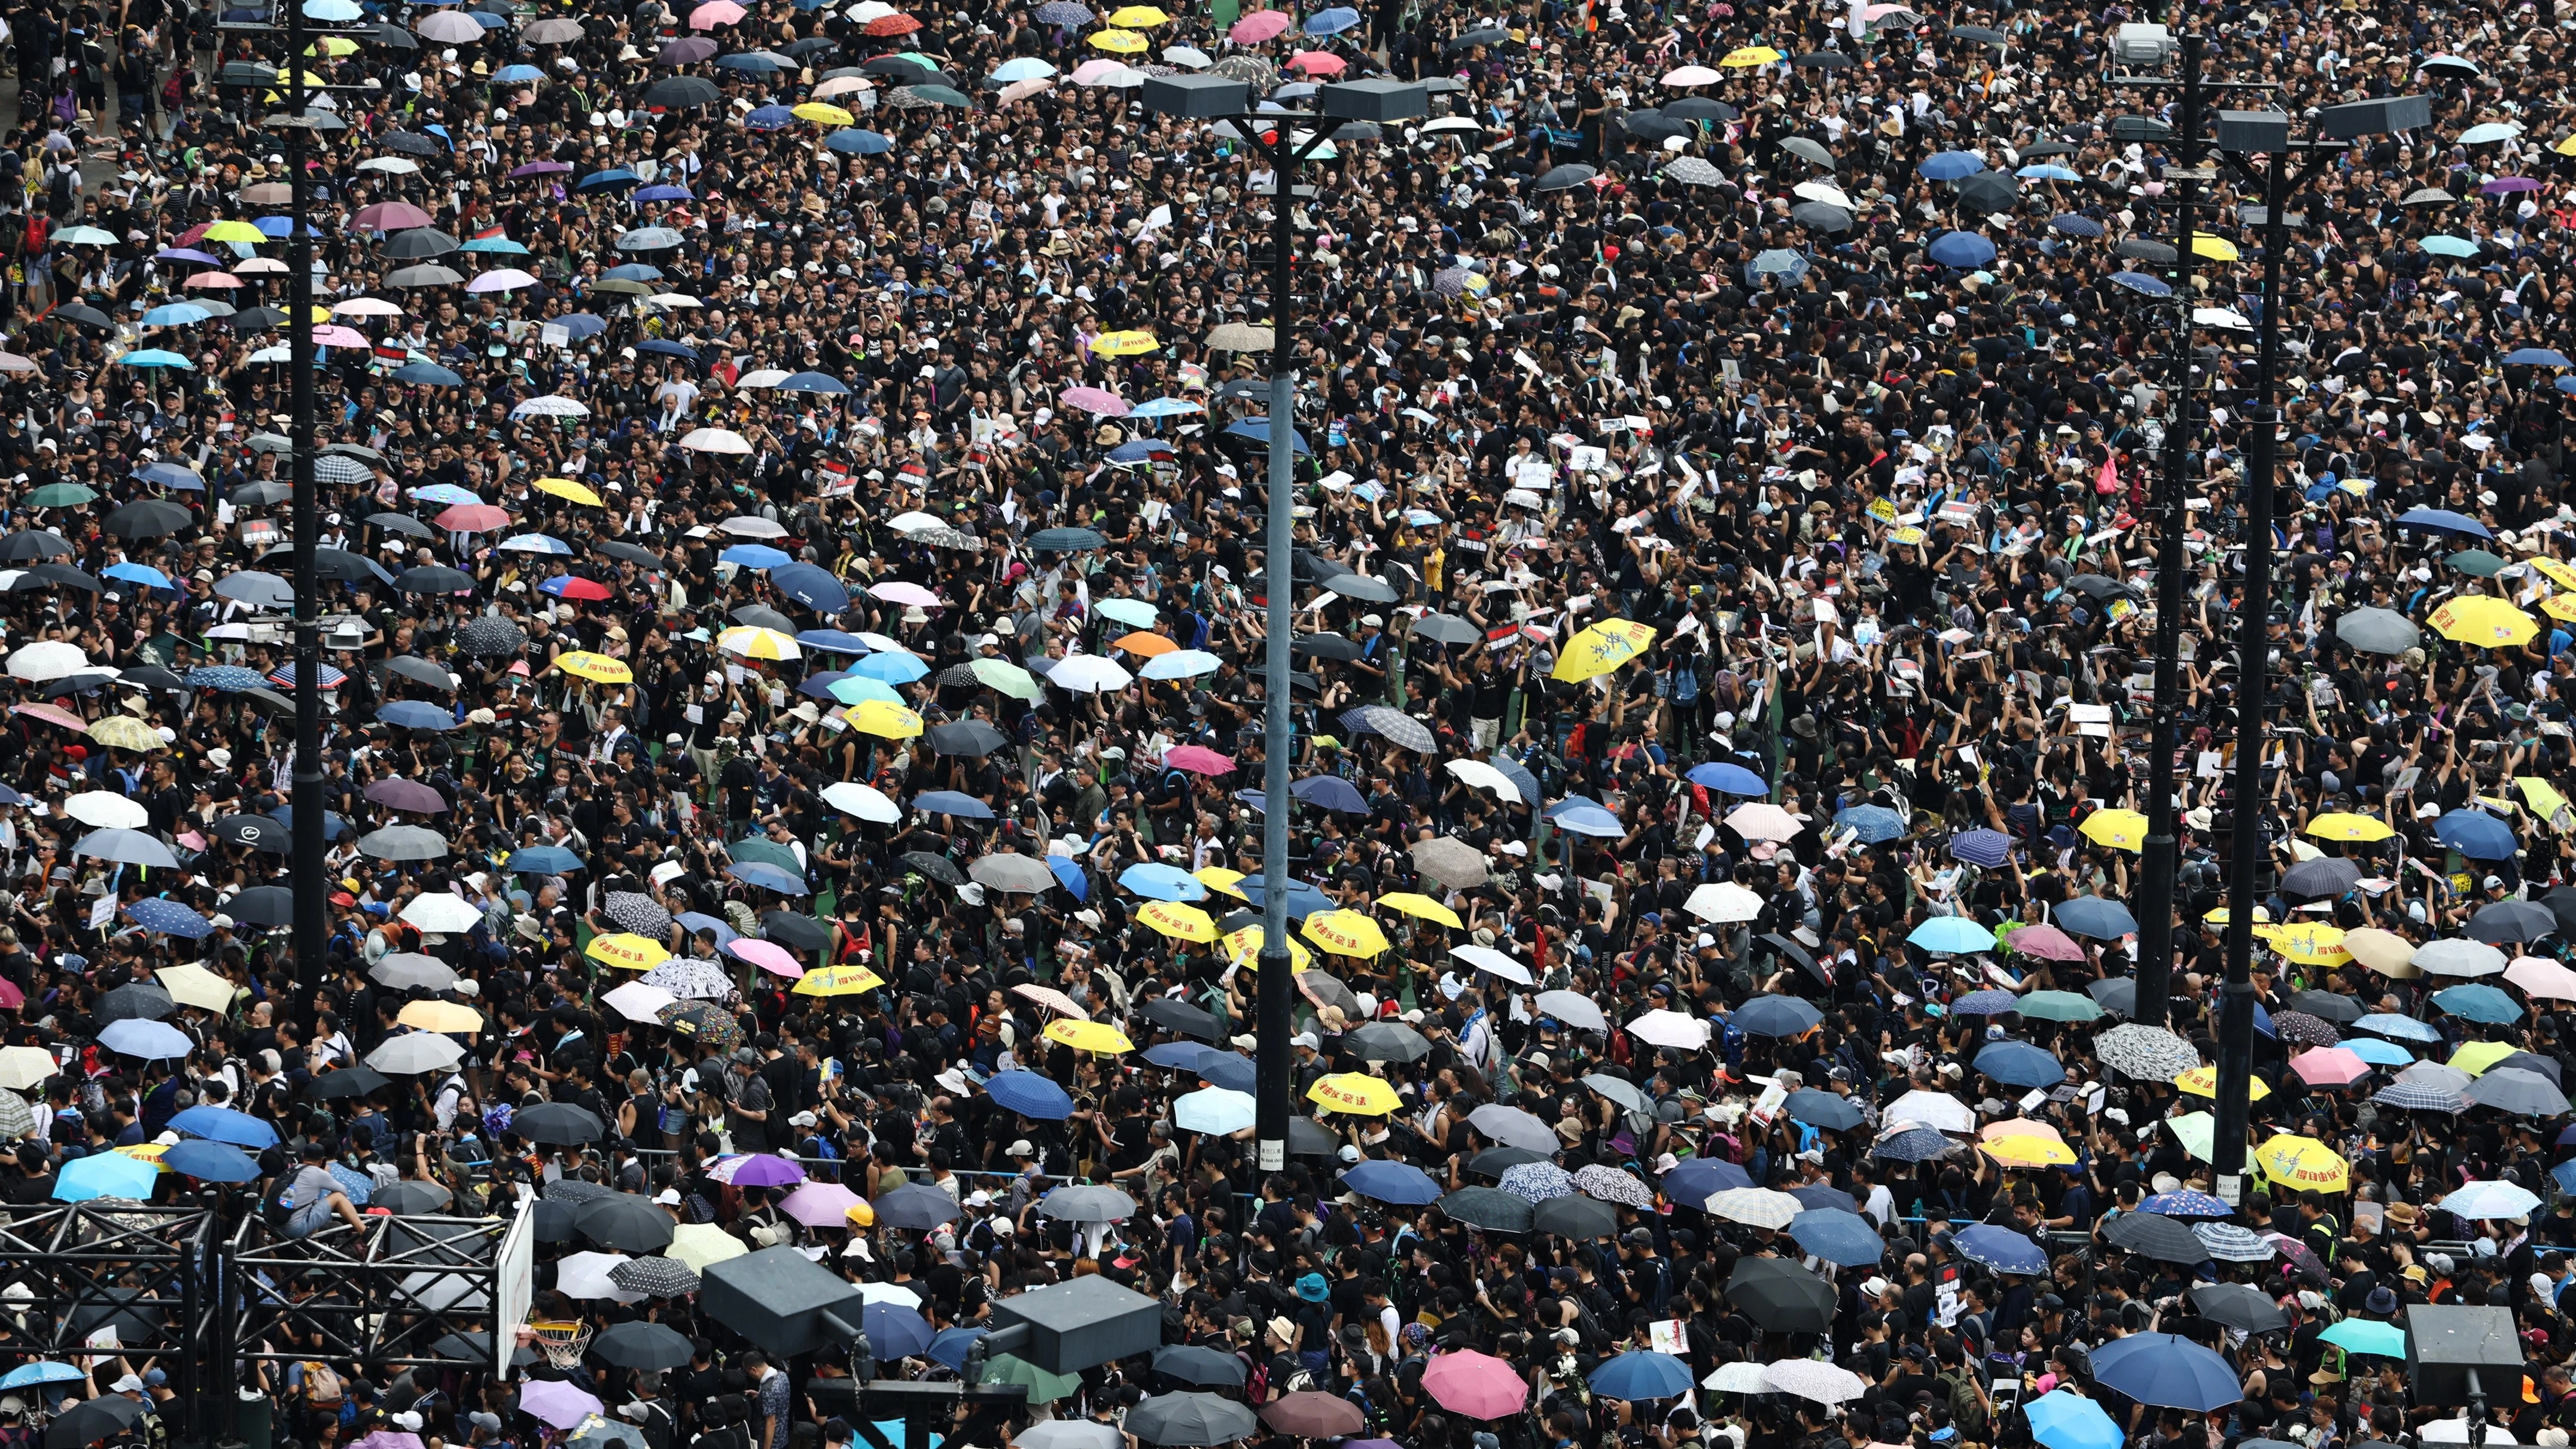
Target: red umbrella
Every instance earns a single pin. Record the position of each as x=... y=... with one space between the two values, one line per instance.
x=577 y=587
x=1475 y=1385
x=1198 y=760
x=390 y=216
x=2045 y=942
x=474 y=518
x=893 y=25
x=1316 y=62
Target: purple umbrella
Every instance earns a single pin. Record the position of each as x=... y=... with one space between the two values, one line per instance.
x=2506 y=185
x=388 y=1439
x=688 y=50
x=540 y=168
x=820 y=1205
x=191 y=254
x=407 y=795
x=763 y=1169
x=556 y=1403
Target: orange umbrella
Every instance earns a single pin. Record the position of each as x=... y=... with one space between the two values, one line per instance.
x=1144 y=643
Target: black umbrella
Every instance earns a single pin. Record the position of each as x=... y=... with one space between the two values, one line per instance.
x=1067 y=540
x=65 y=575
x=1204 y=1367
x=625 y=1221
x=343 y=1082
x=1564 y=178
x=969 y=737
x=916 y=1207
x=1482 y=35
x=401 y=523
x=762 y=616
x=489 y=635
x=2327 y=875
x=140 y=1001
x=558 y=1124
x=682 y=92
x=1386 y=1041
x=1979 y=34
x=262 y=906
x=420 y=243
x=2331 y=1006
x=638 y=913
x=84 y=315
x=411 y=1195
x=1310 y=1138
x=1182 y=1017
x=1821 y=216
x=644 y=1347
x=1493 y=1162
x=2507 y=921
x=409 y=666
x=2158 y=1237
x=1579 y=1218
x=629 y=552
x=1490 y=1208
x=804 y=933
x=1327 y=646
x=29 y=547
x=2529 y=1062
x=1822 y=60
x=2142 y=249
x=1781 y=1296
x=2239 y=1306
x=150 y=518
x=433 y=579
x=1797 y=953
x=1187 y=1420
x=938 y=867
x=1989 y=191
x=259 y=832
x=92 y=1420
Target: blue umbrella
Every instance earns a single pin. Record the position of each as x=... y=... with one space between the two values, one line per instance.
x=333 y=827
x=276 y=227
x=41 y=1372
x=853 y=141
x=1020 y=68
x=581 y=325
x=2478 y=1001
x=814 y=382
x=697 y=922
x=1960 y=249
x=1303 y=899
x=1985 y=1003
x=950 y=1346
x=543 y=860
x=2074 y=224
x=1178 y=1056
x=2475 y=834
x=1640 y=1374
x=1781 y=1016
x=537 y=543
x=831 y=641
x=768 y=877
x=1591 y=820
x=1837 y=1237
x=1031 y=1094
x=1330 y=792
x=1159 y=882
x=1728 y=779
x=1697 y=1179
x=769 y=118
x=950 y=802
x=1819 y=1108
x=2046 y=172
x=2565 y=1175
x=2404 y=1028
x=170 y=919
x=2168 y=1371
x=2020 y=1064
x=494 y=245
x=211 y=1162
x=104 y=1174
x=2537 y=357
x=228 y=678
x=1399 y=1183
x=1140 y=450
x=1070 y=876
x=1914 y=1144
x=176 y=314
x=135 y=573
x=2378 y=1053
x=416 y=714
x=1333 y=21
x=1953 y=936
x=2185 y=1203
x=1874 y=824
x=2103 y=920
x=1230 y=1070
x=1988 y=848
x=662 y=193
x=755 y=556
x=1950 y=165
x=2444 y=520
x=2142 y=284
x=891 y=667
x=608 y=180
x=171 y=475
x=811 y=585
x=427 y=374
x=1258 y=430
x=149 y=1040
x=2060 y=1420
x=223 y=1124
x=506 y=75
x=634 y=272
x=2000 y=1248
x=895 y=1331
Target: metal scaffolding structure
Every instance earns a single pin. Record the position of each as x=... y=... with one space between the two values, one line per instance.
x=75 y=1274
x=405 y=1291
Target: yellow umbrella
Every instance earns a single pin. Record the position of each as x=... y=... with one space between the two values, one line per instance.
x=1221 y=880
x=2218 y=917
x=598 y=668
x=627 y=950
x=1088 y=1036
x=147 y=1152
x=2304 y=1163
x=2311 y=944
x=1138 y=17
x=2485 y=622
x=1749 y=56
x=2344 y=825
x=234 y=231
x=1244 y=949
x=2203 y=1082
x=701 y=1245
x=751 y=641
x=2475 y=1058
x=2216 y=248
x=1413 y=903
x=2544 y=799
x=125 y=732
x=838 y=981
x=440 y=1016
x=2024 y=1150
x=882 y=717
x=1180 y=922
x=822 y=114
x=566 y=488
x=194 y=985
x=2118 y=829
x=2385 y=952
x=1125 y=344
x=1346 y=933
x=2560 y=606
x=2554 y=571
x=1356 y=1093
x=1601 y=648
x=1119 y=42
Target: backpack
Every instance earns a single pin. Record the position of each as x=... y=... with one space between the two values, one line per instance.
x=1967 y=1408
x=322 y=1388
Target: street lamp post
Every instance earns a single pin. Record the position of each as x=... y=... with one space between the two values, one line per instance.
x=312 y=921
x=2258 y=147
x=1275 y=137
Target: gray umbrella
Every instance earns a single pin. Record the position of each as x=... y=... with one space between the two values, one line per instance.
x=1250 y=68
x=2525 y=1094
x=1387 y=1041
x=2455 y=957
x=1564 y=178
x=1069 y=1434
x=1450 y=281
x=403 y=842
x=1624 y=1093
x=1019 y=874
x=2378 y=631
x=1513 y=1127
x=648 y=239
x=1325 y=990
x=1450 y=862
x=1087 y=1205
x=411 y=1195
x=1396 y=727
x=141 y=1001
x=1810 y=151
x=1821 y=216
x=428 y=274
x=415 y=1052
x=1446 y=629
x=17 y=1119
x=491 y=634
x=1191 y=1420
x=552 y=32
x=637 y=912
x=259 y=590
x=1361 y=587
x=2327 y=875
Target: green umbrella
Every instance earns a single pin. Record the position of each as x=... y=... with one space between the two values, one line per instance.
x=1134 y=613
x=859 y=689
x=1009 y=678
x=942 y=95
x=768 y=852
x=2060 y=1006
x=2194 y=1130
x=2476 y=561
x=1044 y=1387
x=61 y=495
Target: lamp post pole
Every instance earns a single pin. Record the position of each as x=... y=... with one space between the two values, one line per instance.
x=312 y=923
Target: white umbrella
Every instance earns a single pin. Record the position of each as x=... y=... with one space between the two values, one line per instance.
x=442 y=913
x=2456 y=1431
x=1723 y=901
x=190 y=984
x=1758 y=1207
x=585 y=1275
x=415 y=1052
x=24 y=1067
x=894 y=1293
x=2457 y=956
x=550 y=406
x=744 y=525
x=1937 y=1110
x=864 y=801
x=1574 y=1009
x=1089 y=674
x=107 y=810
x=764 y=376
x=638 y=1001
x=717 y=440
x=1736 y=1378
x=1761 y=820
x=913 y=520
x=47 y=660
x=1486 y=958
x=1214 y=1110
x=1813 y=1379
x=1670 y=1029
x=1479 y=775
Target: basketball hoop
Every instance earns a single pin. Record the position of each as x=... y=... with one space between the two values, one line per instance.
x=562 y=1343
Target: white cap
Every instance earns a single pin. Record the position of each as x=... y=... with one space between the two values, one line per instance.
x=667 y=1197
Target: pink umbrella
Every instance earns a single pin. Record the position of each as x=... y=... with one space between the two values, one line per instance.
x=1090 y=71
x=388 y=1439
x=1018 y=91
x=554 y=1402
x=11 y=998
x=2329 y=1067
x=767 y=955
x=1316 y=62
x=1198 y=760
x=218 y=281
x=389 y=216
x=332 y=334
x=1094 y=400
x=1475 y=1385
x=715 y=13
x=2045 y=942
x=896 y=591
x=51 y=714
x=2538 y=977
x=1259 y=26
x=820 y=1205
x=474 y=518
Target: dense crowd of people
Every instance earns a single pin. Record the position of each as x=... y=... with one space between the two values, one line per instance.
x=792 y=485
